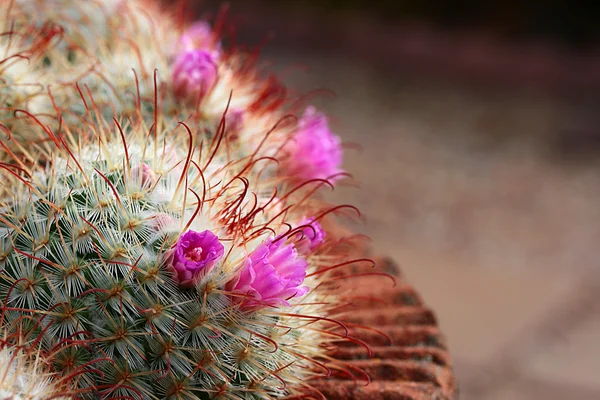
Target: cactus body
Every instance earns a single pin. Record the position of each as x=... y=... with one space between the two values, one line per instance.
x=154 y=241
x=88 y=239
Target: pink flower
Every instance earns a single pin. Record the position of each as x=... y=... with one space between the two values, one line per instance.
x=144 y=174
x=194 y=254
x=315 y=152
x=194 y=74
x=309 y=237
x=199 y=36
x=271 y=275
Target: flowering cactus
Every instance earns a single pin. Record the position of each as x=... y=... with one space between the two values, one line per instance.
x=150 y=244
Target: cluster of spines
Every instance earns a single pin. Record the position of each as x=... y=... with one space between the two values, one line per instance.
x=27 y=367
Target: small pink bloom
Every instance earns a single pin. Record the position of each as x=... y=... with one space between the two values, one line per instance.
x=194 y=74
x=234 y=120
x=199 y=36
x=315 y=152
x=160 y=221
x=144 y=174
x=309 y=237
x=194 y=254
x=272 y=274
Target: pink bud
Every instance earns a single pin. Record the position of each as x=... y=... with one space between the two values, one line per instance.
x=144 y=174
x=314 y=152
x=234 y=119
x=309 y=237
x=160 y=221
x=199 y=36
x=194 y=74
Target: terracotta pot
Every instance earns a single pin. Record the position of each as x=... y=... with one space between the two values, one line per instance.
x=414 y=366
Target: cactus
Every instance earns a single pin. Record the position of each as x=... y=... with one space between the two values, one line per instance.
x=110 y=49
x=23 y=78
x=91 y=238
x=24 y=373
x=20 y=379
x=162 y=237
x=120 y=58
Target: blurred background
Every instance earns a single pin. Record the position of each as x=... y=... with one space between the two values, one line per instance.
x=474 y=133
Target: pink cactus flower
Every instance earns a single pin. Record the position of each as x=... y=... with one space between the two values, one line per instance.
x=271 y=275
x=194 y=74
x=315 y=152
x=194 y=255
x=309 y=237
x=199 y=36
